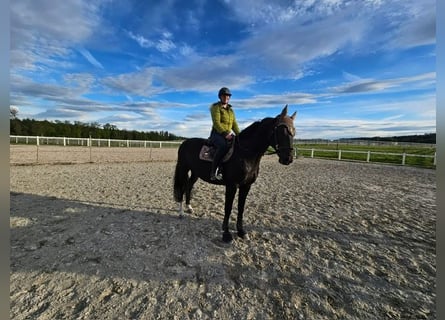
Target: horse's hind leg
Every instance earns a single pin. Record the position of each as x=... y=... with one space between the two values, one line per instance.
x=243 y=191
x=188 y=192
x=180 y=185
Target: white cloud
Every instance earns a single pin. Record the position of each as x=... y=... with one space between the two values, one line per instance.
x=288 y=46
x=165 y=45
x=419 y=28
x=285 y=37
x=187 y=50
x=270 y=100
x=423 y=107
x=369 y=85
x=141 y=40
x=280 y=40
x=90 y=58
x=68 y=20
x=139 y=83
x=83 y=81
x=206 y=74
x=259 y=13
x=334 y=129
x=43 y=33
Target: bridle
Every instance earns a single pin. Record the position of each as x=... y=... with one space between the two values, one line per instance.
x=273 y=139
x=278 y=147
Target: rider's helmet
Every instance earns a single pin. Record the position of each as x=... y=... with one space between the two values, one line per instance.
x=224 y=91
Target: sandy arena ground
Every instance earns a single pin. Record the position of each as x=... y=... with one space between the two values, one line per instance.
x=328 y=240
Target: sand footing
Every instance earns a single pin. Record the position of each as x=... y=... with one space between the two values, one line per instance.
x=327 y=240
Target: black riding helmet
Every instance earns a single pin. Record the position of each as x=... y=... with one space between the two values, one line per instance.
x=224 y=91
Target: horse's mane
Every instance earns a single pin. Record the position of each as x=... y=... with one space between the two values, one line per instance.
x=253 y=128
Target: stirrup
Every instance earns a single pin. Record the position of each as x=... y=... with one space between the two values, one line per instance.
x=216 y=175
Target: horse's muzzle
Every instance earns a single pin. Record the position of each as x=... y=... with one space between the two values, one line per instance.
x=286 y=160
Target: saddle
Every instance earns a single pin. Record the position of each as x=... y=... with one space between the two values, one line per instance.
x=208 y=150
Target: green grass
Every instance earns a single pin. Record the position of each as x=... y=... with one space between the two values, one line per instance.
x=413 y=153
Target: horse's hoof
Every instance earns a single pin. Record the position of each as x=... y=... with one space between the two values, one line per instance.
x=243 y=235
x=227 y=237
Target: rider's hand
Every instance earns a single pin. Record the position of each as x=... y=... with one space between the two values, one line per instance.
x=230 y=135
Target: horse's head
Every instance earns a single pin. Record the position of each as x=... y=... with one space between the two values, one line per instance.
x=283 y=137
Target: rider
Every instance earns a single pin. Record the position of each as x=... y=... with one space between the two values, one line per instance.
x=224 y=129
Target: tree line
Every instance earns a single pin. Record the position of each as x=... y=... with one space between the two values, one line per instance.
x=417 y=138
x=31 y=127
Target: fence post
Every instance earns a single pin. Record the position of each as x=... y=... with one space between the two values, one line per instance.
x=368 y=157
x=434 y=161
x=37 y=149
x=339 y=154
x=312 y=153
x=91 y=147
x=403 y=158
x=151 y=150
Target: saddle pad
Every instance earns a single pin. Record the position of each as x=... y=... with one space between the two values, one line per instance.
x=208 y=152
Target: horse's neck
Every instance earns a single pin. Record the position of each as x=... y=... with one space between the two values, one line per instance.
x=254 y=143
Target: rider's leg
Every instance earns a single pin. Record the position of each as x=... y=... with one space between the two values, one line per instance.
x=215 y=173
x=221 y=149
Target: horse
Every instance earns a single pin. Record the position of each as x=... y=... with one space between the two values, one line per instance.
x=240 y=171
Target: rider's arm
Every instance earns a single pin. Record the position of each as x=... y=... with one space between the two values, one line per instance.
x=216 y=119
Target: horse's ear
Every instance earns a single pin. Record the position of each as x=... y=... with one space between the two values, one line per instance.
x=294 y=115
x=284 y=112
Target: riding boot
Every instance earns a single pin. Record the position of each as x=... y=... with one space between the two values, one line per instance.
x=215 y=174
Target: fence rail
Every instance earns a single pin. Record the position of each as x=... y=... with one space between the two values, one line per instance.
x=364 y=143
x=91 y=142
x=370 y=156
x=51 y=150
x=113 y=147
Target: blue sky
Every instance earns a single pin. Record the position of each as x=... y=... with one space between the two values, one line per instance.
x=349 y=68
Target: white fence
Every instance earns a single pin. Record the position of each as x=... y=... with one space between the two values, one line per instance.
x=45 y=150
x=91 y=142
x=116 y=147
x=403 y=156
x=364 y=143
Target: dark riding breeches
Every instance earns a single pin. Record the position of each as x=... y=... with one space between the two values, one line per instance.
x=221 y=144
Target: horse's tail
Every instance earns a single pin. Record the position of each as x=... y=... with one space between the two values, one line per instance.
x=180 y=178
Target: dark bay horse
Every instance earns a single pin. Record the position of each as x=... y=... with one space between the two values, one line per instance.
x=241 y=170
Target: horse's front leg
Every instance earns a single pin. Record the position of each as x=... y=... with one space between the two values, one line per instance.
x=230 y=195
x=243 y=192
